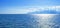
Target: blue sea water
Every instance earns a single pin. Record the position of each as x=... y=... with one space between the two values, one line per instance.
x=29 y=21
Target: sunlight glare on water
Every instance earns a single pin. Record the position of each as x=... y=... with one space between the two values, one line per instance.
x=45 y=20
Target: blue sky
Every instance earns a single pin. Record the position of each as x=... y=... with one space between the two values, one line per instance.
x=23 y=6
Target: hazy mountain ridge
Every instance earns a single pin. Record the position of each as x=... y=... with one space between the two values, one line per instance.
x=46 y=12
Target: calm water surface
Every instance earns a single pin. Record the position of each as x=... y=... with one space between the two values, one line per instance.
x=29 y=21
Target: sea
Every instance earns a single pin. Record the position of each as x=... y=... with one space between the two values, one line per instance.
x=29 y=20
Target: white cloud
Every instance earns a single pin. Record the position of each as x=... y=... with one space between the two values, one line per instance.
x=30 y=9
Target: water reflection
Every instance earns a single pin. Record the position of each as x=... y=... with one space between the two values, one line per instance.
x=47 y=20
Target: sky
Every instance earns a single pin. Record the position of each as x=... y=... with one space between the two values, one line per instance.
x=24 y=6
